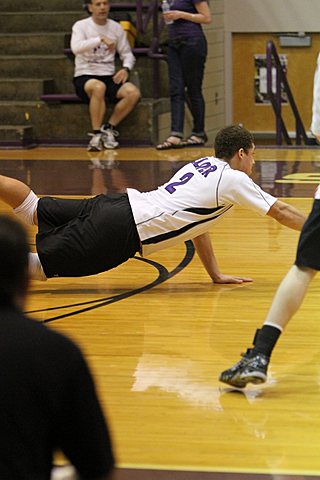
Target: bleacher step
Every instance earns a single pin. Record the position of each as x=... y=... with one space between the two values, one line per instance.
x=25 y=22
x=41 y=66
x=68 y=123
x=54 y=5
x=39 y=5
x=17 y=136
x=41 y=43
x=25 y=88
x=61 y=69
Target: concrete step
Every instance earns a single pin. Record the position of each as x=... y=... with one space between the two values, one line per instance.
x=33 y=43
x=58 y=67
x=51 y=43
x=25 y=88
x=17 y=136
x=56 y=98
x=61 y=69
x=62 y=124
x=44 y=5
x=22 y=22
x=39 y=5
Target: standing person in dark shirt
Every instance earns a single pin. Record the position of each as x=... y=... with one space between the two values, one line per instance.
x=47 y=395
x=186 y=61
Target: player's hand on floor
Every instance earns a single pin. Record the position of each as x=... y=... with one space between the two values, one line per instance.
x=231 y=279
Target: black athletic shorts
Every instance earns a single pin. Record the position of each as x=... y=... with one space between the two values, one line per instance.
x=111 y=92
x=85 y=237
x=308 y=251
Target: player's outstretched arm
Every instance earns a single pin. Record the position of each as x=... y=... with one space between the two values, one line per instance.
x=206 y=254
x=287 y=215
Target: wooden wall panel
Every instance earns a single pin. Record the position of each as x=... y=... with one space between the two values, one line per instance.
x=301 y=67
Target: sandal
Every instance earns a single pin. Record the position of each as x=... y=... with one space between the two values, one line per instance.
x=195 y=141
x=167 y=145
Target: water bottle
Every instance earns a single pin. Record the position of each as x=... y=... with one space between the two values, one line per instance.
x=165 y=9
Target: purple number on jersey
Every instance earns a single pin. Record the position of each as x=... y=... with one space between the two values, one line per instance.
x=184 y=179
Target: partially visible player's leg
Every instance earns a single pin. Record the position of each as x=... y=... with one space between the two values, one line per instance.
x=289 y=296
x=12 y=191
x=287 y=301
x=27 y=210
x=35 y=268
x=20 y=197
x=24 y=202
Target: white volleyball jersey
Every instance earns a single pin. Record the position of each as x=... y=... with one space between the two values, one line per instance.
x=192 y=201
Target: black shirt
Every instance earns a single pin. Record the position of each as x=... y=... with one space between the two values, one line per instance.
x=47 y=402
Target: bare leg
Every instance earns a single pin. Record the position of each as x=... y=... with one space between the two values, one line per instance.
x=129 y=95
x=97 y=107
x=289 y=296
x=286 y=302
x=12 y=191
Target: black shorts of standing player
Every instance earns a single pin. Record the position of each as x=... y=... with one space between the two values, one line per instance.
x=111 y=91
x=308 y=250
x=85 y=237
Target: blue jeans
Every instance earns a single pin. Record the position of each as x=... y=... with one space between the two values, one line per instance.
x=186 y=61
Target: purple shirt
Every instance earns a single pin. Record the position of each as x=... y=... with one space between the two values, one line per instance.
x=184 y=28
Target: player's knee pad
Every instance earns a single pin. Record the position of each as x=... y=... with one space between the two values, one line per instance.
x=26 y=210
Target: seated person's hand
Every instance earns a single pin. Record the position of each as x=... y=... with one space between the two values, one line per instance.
x=109 y=43
x=121 y=76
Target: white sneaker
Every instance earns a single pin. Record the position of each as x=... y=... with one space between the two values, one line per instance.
x=95 y=144
x=108 y=137
x=64 y=472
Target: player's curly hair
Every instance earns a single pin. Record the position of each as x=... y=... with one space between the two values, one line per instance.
x=230 y=139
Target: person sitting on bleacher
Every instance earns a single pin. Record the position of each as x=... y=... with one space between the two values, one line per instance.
x=95 y=41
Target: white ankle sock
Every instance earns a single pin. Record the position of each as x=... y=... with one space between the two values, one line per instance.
x=35 y=268
x=26 y=210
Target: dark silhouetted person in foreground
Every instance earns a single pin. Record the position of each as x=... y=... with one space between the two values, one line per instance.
x=47 y=395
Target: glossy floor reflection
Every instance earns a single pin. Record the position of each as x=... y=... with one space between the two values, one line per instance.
x=109 y=171
x=157 y=351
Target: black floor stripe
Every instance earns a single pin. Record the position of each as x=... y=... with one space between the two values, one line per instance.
x=162 y=277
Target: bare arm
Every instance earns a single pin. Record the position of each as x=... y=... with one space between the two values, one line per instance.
x=203 y=14
x=204 y=249
x=287 y=215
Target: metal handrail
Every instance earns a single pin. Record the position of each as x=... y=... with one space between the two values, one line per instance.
x=273 y=61
x=146 y=13
x=152 y=14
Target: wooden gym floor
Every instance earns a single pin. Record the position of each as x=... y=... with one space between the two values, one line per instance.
x=157 y=333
